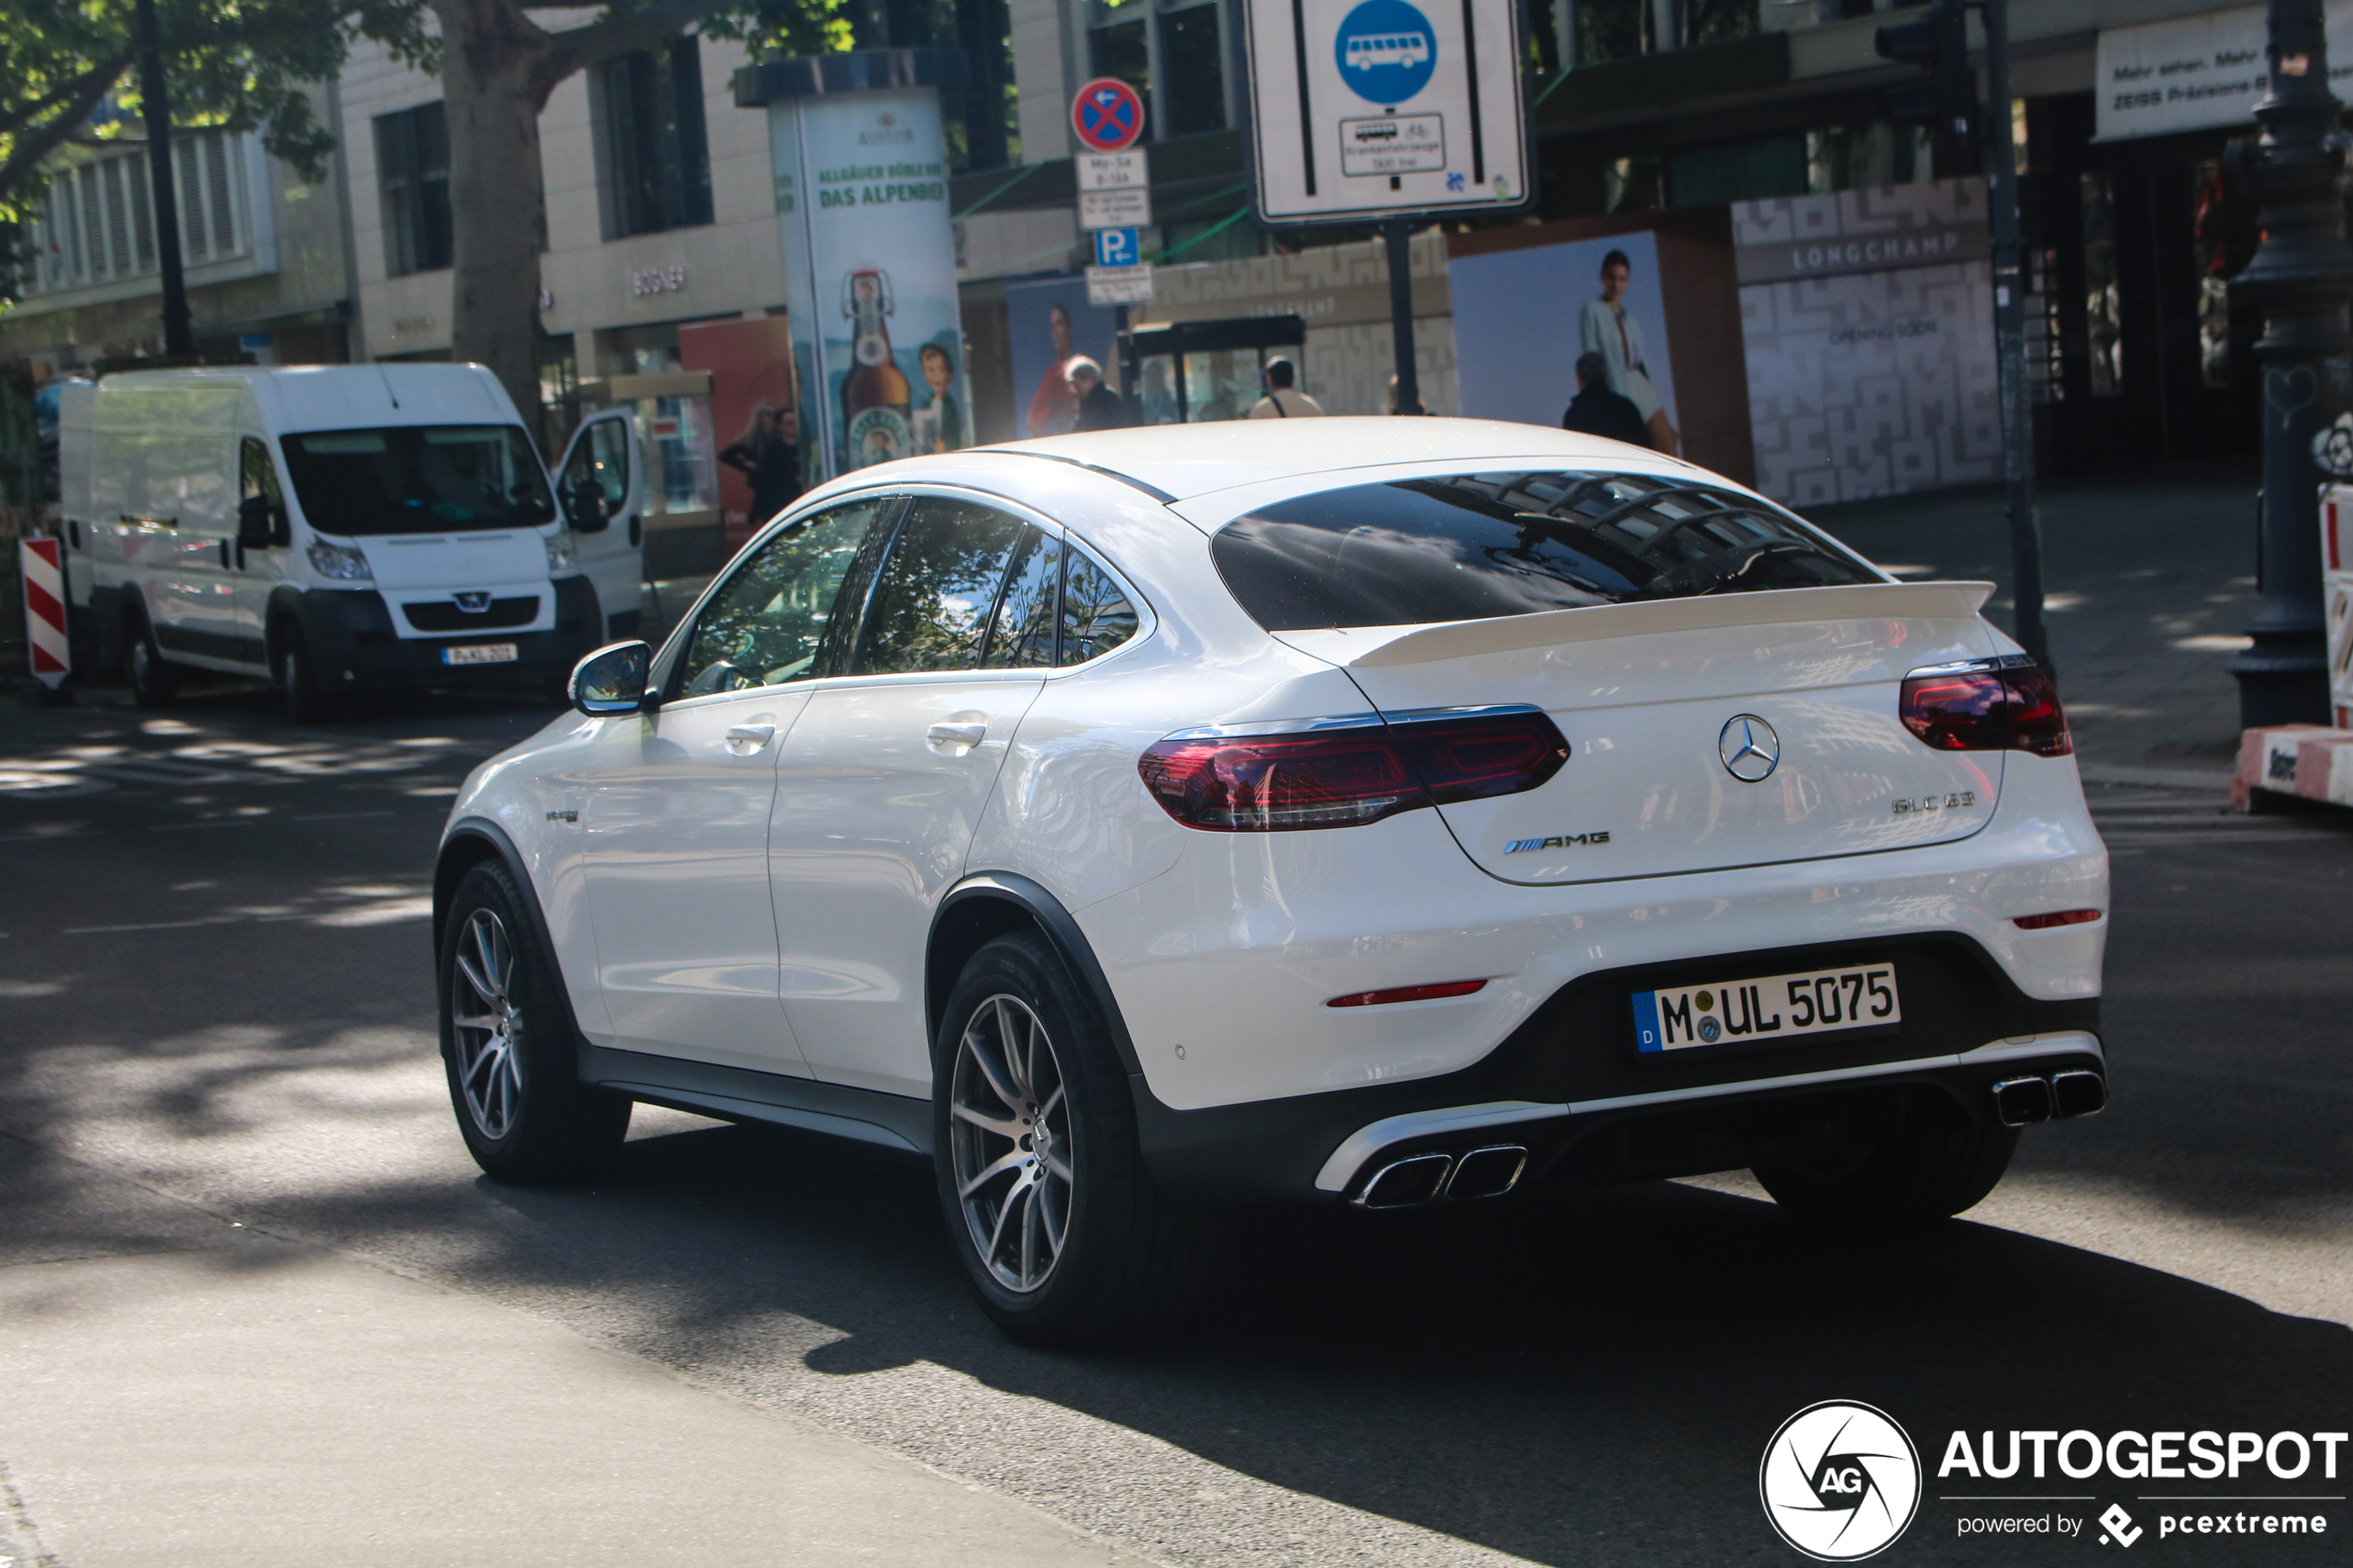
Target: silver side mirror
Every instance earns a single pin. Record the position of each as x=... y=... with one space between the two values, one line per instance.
x=611 y=680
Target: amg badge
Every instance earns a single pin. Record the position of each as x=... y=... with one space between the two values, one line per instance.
x=1558 y=841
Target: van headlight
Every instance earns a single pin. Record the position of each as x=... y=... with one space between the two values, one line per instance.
x=339 y=561
x=559 y=553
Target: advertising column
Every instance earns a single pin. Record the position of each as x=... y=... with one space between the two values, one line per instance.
x=861 y=194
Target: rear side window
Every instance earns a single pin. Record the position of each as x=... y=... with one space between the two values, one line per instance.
x=1474 y=546
x=932 y=604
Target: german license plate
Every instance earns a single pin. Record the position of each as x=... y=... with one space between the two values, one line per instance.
x=1755 y=1012
x=480 y=653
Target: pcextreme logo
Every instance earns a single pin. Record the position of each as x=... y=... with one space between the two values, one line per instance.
x=1840 y=1481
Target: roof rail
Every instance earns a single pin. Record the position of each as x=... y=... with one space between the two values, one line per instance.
x=1154 y=491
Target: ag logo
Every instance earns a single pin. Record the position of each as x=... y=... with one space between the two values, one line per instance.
x=1840 y=1481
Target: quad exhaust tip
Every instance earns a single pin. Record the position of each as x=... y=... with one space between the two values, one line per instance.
x=1422 y=1178
x=2022 y=1102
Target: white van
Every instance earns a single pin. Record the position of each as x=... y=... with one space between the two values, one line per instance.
x=340 y=527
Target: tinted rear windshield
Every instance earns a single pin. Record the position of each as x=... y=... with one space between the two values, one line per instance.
x=1474 y=546
x=419 y=478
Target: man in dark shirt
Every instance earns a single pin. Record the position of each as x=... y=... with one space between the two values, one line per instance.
x=1597 y=410
x=1099 y=406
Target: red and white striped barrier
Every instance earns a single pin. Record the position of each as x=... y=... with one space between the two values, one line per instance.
x=45 y=610
x=2304 y=759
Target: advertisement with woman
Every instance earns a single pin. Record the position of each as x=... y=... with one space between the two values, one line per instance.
x=861 y=194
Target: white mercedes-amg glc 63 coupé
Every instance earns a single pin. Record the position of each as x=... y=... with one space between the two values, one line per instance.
x=1388 y=812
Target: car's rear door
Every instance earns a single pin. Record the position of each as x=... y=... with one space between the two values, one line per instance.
x=882 y=782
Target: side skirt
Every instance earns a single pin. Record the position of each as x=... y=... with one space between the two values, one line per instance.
x=735 y=1094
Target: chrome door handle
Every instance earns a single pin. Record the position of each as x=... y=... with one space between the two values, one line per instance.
x=746 y=740
x=946 y=734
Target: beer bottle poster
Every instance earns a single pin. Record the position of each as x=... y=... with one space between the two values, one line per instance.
x=870 y=259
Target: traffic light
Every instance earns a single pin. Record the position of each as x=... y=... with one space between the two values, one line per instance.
x=1944 y=98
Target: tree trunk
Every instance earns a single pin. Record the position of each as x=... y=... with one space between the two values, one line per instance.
x=495 y=77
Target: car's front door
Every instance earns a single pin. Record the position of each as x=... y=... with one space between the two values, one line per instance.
x=674 y=818
x=603 y=485
x=882 y=782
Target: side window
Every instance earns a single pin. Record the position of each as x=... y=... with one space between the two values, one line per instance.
x=1097 y=617
x=257 y=475
x=767 y=623
x=932 y=601
x=1023 y=637
x=600 y=472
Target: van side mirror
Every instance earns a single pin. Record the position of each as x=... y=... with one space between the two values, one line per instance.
x=611 y=680
x=257 y=530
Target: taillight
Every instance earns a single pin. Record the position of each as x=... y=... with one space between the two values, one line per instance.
x=2005 y=707
x=1342 y=778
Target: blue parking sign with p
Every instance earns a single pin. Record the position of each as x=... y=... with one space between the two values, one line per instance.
x=1118 y=247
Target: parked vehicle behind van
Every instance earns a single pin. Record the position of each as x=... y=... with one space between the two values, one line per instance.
x=339 y=528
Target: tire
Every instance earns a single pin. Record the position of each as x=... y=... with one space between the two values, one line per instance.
x=153 y=682
x=1021 y=1050
x=1890 y=1187
x=508 y=1043
x=298 y=678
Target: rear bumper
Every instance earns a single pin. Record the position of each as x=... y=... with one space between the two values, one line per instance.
x=353 y=643
x=1570 y=1087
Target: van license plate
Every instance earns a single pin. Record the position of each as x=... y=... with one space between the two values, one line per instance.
x=481 y=653
x=1755 y=1012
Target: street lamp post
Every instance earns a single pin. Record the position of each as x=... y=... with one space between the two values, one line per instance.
x=2301 y=278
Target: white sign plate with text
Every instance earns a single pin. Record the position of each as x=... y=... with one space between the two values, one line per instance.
x=1130 y=208
x=1120 y=285
x=1113 y=171
x=1360 y=108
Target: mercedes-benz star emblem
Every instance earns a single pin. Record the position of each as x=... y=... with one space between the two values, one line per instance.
x=1749 y=748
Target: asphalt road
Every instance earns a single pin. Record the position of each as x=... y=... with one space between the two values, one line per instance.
x=216 y=1017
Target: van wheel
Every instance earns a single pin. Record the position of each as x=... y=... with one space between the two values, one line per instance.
x=1884 y=1189
x=154 y=683
x=299 y=678
x=1061 y=1231
x=509 y=1044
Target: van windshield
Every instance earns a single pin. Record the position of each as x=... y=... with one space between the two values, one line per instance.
x=1471 y=546
x=419 y=478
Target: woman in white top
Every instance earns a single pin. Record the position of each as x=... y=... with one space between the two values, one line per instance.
x=1606 y=328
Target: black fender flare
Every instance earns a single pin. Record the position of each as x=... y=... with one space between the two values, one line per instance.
x=449 y=869
x=963 y=914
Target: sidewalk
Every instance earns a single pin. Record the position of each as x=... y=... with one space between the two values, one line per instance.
x=183 y=1394
x=2149 y=583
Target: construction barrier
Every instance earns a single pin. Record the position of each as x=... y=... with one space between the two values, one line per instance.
x=2336 y=589
x=2310 y=760
x=45 y=610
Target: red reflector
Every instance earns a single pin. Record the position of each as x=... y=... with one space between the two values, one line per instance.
x=1405 y=993
x=2063 y=917
x=2012 y=708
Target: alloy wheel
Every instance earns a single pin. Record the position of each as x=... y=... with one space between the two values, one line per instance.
x=1010 y=1143
x=490 y=1035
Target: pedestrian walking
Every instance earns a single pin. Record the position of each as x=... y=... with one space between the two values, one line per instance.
x=1596 y=411
x=1282 y=401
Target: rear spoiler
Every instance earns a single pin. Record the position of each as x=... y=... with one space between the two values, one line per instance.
x=1377 y=648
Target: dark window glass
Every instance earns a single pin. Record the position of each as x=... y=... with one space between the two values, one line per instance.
x=767 y=622
x=419 y=478
x=1122 y=50
x=1192 y=70
x=1477 y=545
x=1023 y=637
x=413 y=180
x=657 y=159
x=1097 y=617
x=932 y=601
x=258 y=476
